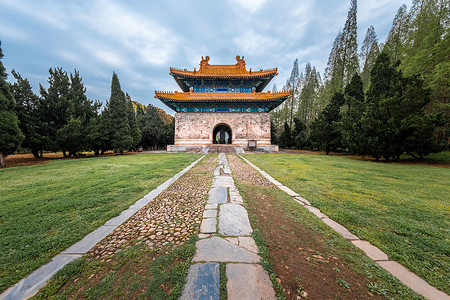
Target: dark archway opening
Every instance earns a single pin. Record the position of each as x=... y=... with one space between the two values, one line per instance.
x=222 y=135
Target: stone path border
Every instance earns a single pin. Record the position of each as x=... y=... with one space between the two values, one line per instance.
x=408 y=278
x=225 y=237
x=31 y=284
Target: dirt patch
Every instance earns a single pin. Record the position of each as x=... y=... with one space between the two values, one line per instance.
x=302 y=256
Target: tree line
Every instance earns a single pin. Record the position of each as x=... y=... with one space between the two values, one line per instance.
x=358 y=108
x=63 y=119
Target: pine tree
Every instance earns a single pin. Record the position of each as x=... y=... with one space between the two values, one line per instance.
x=368 y=54
x=27 y=112
x=55 y=107
x=300 y=134
x=134 y=128
x=10 y=134
x=352 y=135
x=286 y=140
x=325 y=133
x=152 y=127
x=119 y=127
x=395 y=121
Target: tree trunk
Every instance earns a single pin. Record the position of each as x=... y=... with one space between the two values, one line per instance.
x=64 y=153
x=35 y=153
x=96 y=152
x=2 y=161
x=121 y=151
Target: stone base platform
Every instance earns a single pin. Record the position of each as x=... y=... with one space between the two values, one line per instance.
x=211 y=148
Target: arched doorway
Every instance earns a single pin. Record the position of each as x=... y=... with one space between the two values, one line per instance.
x=222 y=134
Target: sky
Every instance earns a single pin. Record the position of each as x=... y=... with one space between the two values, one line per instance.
x=141 y=40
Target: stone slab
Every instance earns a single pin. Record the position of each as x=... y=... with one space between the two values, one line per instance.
x=340 y=229
x=316 y=211
x=288 y=191
x=211 y=206
x=89 y=240
x=233 y=220
x=416 y=283
x=370 y=250
x=203 y=282
x=274 y=181
x=203 y=235
x=125 y=215
x=217 y=249
x=246 y=281
x=301 y=199
x=223 y=181
x=248 y=243
x=210 y=213
x=218 y=195
x=31 y=284
x=208 y=225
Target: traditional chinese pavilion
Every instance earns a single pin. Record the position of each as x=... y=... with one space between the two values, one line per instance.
x=222 y=104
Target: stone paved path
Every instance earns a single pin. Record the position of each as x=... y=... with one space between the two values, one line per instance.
x=225 y=237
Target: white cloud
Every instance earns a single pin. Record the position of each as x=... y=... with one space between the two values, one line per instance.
x=250 y=5
x=8 y=32
x=254 y=43
x=149 y=42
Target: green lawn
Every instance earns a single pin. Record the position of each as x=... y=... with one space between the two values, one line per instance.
x=402 y=209
x=46 y=208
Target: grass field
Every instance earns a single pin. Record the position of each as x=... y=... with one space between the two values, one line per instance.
x=46 y=208
x=402 y=209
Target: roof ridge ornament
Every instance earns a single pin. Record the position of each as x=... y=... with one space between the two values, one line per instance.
x=240 y=62
x=204 y=64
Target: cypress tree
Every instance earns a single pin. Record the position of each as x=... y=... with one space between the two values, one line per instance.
x=119 y=127
x=55 y=107
x=10 y=134
x=352 y=134
x=395 y=121
x=325 y=133
x=134 y=128
x=27 y=111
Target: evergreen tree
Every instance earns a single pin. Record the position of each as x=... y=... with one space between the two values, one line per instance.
x=368 y=54
x=10 y=134
x=98 y=133
x=343 y=59
x=55 y=107
x=308 y=94
x=349 y=46
x=27 y=112
x=273 y=133
x=397 y=38
x=119 y=127
x=73 y=136
x=300 y=134
x=325 y=133
x=134 y=128
x=352 y=135
x=286 y=140
x=153 y=129
x=395 y=120
x=294 y=85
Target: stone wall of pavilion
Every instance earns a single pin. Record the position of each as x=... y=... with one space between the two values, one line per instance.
x=197 y=128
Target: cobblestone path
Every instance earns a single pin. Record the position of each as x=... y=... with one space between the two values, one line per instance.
x=225 y=238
